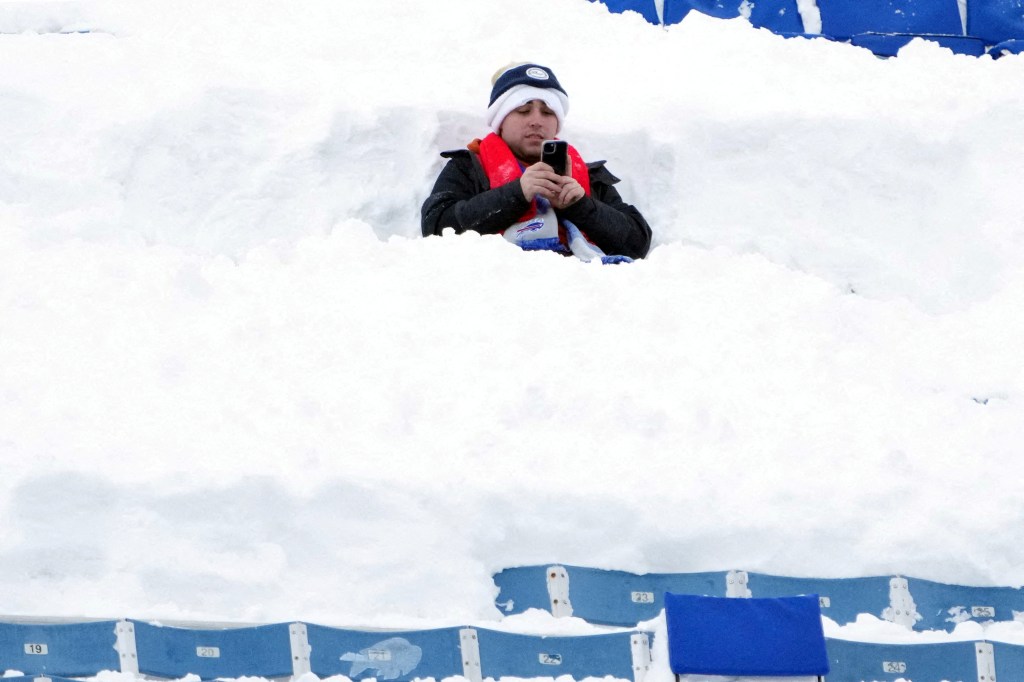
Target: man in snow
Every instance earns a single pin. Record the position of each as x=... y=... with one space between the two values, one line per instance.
x=498 y=185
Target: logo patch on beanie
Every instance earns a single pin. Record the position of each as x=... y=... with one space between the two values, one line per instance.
x=537 y=73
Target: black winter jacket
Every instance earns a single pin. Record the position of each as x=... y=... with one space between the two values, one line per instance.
x=462 y=199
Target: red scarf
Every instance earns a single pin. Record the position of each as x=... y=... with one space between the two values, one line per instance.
x=502 y=166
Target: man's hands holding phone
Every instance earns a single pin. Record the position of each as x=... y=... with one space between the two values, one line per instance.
x=561 y=190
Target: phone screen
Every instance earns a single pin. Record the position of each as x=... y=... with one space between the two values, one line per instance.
x=555 y=153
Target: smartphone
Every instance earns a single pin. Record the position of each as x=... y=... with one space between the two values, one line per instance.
x=555 y=153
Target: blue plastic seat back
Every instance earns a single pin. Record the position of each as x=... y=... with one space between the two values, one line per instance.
x=995 y=20
x=646 y=8
x=1009 y=660
x=845 y=18
x=917 y=662
x=602 y=596
x=888 y=45
x=778 y=16
x=675 y=11
x=403 y=656
x=504 y=654
x=942 y=606
x=68 y=649
x=842 y=599
x=723 y=9
x=1006 y=47
x=773 y=637
x=616 y=597
x=262 y=651
x=521 y=588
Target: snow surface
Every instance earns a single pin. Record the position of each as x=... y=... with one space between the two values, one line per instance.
x=236 y=385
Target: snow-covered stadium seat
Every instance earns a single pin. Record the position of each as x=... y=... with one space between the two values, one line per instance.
x=885 y=26
x=778 y=16
x=402 y=655
x=622 y=598
x=926 y=605
x=889 y=45
x=64 y=649
x=259 y=651
x=598 y=596
x=756 y=637
x=1007 y=47
x=842 y=599
x=942 y=606
x=475 y=653
x=646 y=8
x=504 y=654
x=675 y=10
x=919 y=662
x=845 y=19
x=995 y=21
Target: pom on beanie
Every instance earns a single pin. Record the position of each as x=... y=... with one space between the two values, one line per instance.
x=523 y=83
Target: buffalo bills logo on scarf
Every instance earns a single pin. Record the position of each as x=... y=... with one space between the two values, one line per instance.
x=539 y=228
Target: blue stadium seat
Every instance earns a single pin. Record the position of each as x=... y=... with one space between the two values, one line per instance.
x=844 y=19
x=675 y=11
x=261 y=651
x=942 y=606
x=621 y=598
x=778 y=16
x=995 y=21
x=889 y=45
x=1009 y=659
x=842 y=599
x=66 y=649
x=722 y=9
x=1007 y=47
x=770 y=637
x=600 y=596
x=504 y=654
x=917 y=662
x=646 y=8
x=402 y=656
x=522 y=588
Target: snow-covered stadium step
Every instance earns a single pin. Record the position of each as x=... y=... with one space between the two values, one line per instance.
x=625 y=599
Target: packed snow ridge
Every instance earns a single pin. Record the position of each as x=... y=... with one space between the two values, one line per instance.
x=237 y=385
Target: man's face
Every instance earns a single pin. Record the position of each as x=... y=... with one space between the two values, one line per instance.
x=525 y=129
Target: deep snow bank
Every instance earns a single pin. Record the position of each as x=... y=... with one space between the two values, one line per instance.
x=236 y=385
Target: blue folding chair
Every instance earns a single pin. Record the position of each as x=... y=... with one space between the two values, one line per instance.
x=754 y=637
